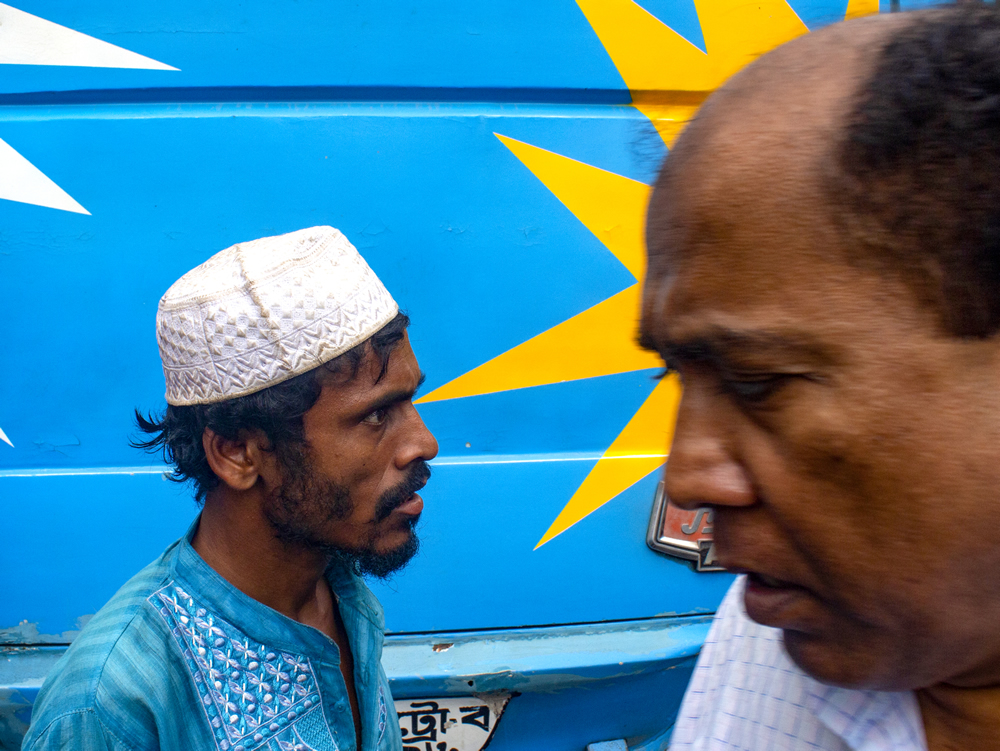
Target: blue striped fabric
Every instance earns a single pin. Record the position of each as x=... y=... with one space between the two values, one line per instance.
x=746 y=693
x=179 y=659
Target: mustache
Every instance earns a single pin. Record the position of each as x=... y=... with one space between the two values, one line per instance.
x=417 y=476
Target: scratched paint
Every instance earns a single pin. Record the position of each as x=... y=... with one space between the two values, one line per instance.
x=541 y=660
x=28 y=633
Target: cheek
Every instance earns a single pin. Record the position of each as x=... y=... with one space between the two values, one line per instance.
x=369 y=480
x=833 y=480
x=878 y=495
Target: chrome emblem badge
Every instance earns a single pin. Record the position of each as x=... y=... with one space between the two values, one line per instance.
x=682 y=534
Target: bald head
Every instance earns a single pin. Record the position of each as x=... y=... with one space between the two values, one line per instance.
x=769 y=134
x=883 y=130
x=792 y=101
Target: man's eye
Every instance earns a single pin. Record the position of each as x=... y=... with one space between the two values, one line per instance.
x=754 y=389
x=376 y=418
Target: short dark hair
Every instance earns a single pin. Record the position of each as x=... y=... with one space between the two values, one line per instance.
x=916 y=176
x=276 y=411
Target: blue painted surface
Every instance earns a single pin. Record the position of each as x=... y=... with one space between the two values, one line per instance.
x=476 y=569
x=468 y=240
x=571 y=719
x=540 y=659
x=432 y=44
x=405 y=43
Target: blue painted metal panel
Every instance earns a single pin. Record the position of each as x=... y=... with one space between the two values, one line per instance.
x=506 y=44
x=80 y=537
x=539 y=659
x=400 y=43
x=470 y=243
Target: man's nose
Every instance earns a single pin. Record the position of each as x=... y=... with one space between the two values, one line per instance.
x=420 y=443
x=701 y=469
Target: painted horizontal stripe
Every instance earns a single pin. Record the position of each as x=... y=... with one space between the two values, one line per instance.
x=83 y=471
x=445 y=461
x=516 y=94
x=478 y=459
x=305 y=110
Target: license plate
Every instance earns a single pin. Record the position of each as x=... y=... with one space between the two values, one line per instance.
x=462 y=723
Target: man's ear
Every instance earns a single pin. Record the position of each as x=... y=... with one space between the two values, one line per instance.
x=237 y=463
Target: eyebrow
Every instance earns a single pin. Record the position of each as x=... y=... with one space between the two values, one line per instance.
x=390 y=398
x=720 y=343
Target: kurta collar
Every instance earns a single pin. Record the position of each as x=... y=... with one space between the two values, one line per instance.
x=262 y=623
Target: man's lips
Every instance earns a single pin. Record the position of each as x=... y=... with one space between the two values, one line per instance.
x=773 y=602
x=412 y=506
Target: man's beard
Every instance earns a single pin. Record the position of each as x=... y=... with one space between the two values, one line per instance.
x=308 y=501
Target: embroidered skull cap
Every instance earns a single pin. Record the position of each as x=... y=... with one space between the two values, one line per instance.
x=263 y=311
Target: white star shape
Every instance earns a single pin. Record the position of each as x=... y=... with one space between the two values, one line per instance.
x=29 y=40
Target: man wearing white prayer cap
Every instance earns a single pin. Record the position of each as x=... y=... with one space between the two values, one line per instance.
x=290 y=381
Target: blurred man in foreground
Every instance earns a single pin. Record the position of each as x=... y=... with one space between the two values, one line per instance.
x=290 y=381
x=825 y=276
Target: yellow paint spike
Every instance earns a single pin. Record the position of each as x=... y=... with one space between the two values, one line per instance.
x=737 y=32
x=638 y=450
x=609 y=205
x=597 y=342
x=668 y=119
x=647 y=52
x=600 y=340
x=650 y=56
x=859 y=8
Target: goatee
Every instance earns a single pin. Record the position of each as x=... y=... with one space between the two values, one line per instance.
x=307 y=502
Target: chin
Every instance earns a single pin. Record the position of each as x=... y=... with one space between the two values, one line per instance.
x=855 y=664
x=381 y=562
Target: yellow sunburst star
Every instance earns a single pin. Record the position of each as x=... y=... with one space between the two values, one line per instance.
x=668 y=78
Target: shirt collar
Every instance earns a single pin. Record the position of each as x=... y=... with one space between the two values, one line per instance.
x=261 y=622
x=869 y=720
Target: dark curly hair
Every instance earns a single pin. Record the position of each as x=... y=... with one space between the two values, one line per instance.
x=916 y=177
x=276 y=411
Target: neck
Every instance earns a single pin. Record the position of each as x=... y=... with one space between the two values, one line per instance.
x=235 y=539
x=956 y=719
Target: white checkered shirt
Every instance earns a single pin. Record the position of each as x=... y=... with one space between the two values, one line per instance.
x=746 y=693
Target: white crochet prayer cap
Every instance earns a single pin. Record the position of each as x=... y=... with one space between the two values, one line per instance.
x=260 y=312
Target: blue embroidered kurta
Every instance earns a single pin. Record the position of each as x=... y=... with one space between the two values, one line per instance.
x=180 y=660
